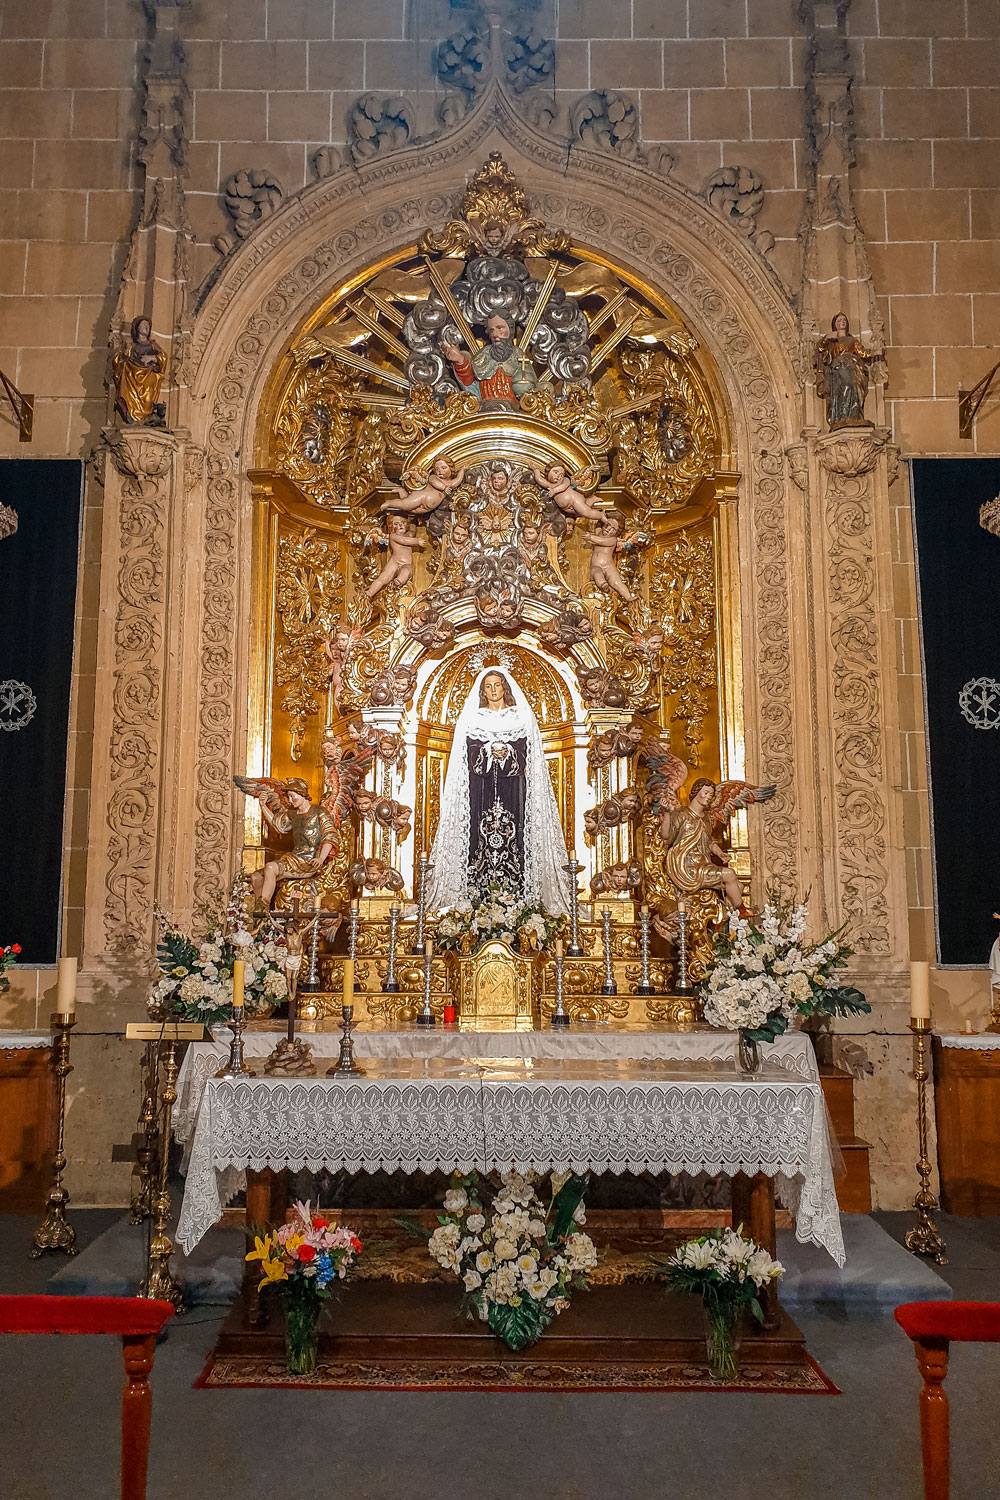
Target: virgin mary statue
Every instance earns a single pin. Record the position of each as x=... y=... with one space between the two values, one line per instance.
x=499 y=827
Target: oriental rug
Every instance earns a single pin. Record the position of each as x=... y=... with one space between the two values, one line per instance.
x=529 y=1372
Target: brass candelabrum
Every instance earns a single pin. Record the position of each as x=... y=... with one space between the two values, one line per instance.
x=54 y=1232
x=923 y=1238
x=159 y=1282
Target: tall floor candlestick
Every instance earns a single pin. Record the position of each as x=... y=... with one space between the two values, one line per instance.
x=426 y=1016
x=159 y=1282
x=608 y=987
x=559 y=1016
x=644 y=987
x=683 y=986
x=391 y=983
x=420 y=936
x=54 y=1233
x=352 y=943
x=573 y=869
x=923 y=1238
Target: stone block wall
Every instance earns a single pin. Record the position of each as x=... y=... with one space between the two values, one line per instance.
x=715 y=83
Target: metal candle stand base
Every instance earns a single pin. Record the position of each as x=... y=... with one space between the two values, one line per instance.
x=346 y=1066
x=54 y=1233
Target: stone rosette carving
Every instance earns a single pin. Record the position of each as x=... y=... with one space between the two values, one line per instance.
x=530 y=60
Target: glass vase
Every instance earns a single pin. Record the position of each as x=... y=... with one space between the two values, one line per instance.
x=748 y=1054
x=723 y=1339
x=303 y=1306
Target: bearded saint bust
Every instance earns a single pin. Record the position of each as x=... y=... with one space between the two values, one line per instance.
x=499 y=373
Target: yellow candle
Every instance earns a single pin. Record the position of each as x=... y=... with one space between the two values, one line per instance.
x=66 y=986
x=920 y=994
x=559 y=947
x=348 y=980
x=429 y=947
x=238 y=980
x=644 y=910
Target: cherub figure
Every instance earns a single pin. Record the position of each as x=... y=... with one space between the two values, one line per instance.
x=561 y=490
x=433 y=490
x=624 y=807
x=399 y=567
x=605 y=541
x=694 y=860
x=376 y=875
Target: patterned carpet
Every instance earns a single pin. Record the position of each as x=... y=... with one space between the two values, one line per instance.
x=227 y=1372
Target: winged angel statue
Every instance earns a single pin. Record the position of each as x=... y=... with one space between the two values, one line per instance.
x=694 y=860
x=288 y=809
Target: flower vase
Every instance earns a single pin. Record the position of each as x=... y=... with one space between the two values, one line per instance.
x=723 y=1338
x=303 y=1306
x=748 y=1054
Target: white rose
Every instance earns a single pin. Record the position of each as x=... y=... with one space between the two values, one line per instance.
x=475 y=1222
x=527 y=1265
x=505 y=1249
x=472 y=1280
x=484 y=1261
x=455 y=1200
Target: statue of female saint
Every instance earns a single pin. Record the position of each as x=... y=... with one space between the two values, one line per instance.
x=841 y=363
x=138 y=367
x=499 y=825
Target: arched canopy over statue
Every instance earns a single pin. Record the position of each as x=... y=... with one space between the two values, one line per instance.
x=499 y=827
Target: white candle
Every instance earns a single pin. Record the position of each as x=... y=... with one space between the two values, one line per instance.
x=920 y=994
x=66 y=987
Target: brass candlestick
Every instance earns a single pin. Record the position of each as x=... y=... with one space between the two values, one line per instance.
x=923 y=1238
x=346 y=1066
x=141 y=1205
x=54 y=1233
x=159 y=1282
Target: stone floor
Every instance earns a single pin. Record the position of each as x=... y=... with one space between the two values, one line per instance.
x=59 y=1402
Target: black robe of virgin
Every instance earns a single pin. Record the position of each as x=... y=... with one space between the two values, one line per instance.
x=496 y=816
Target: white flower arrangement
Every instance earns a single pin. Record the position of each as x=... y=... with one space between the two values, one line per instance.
x=723 y=1267
x=764 y=975
x=197 y=972
x=517 y=1261
x=499 y=914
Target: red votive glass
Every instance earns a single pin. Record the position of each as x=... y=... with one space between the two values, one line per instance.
x=449 y=1015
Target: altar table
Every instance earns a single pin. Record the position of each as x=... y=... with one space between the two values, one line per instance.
x=588 y=1040
x=530 y=1114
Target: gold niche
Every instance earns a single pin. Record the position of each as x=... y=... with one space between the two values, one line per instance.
x=361 y=402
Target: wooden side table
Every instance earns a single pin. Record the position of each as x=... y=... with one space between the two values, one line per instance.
x=967 y=1106
x=27 y=1120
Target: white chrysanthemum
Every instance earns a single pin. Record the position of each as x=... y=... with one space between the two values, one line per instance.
x=475 y=1222
x=455 y=1199
x=505 y=1249
x=581 y=1252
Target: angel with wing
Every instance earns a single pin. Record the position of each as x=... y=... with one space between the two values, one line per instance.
x=694 y=860
x=562 y=491
x=287 y=808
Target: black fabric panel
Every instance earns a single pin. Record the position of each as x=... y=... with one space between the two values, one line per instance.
x=37 y=608
x=959 y=580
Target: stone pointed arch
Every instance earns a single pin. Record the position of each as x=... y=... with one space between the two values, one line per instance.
x=654 y=229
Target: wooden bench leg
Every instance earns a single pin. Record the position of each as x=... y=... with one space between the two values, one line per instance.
x=932 y=1359
x=137 y=1407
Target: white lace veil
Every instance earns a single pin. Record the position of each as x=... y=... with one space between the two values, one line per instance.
x=545 y=880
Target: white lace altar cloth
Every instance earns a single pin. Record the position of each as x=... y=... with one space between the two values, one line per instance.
x=17 y=1041
x=974 y=1041
x=793 y=1052
x=533 y=1115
